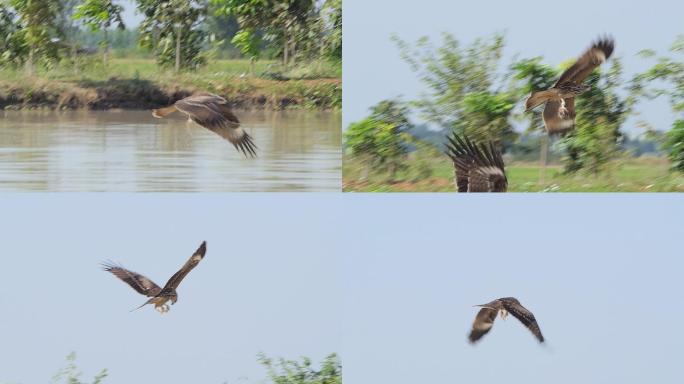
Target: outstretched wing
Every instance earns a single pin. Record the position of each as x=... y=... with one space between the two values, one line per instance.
x=212 y=112
x=140 y=283
x=177 y=277
x=478 y=168
x=553 y=122
x=599 y=52
x=484 y=321
x=526 y=317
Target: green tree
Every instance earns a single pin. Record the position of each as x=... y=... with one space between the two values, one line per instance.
x=285 y=23
x=668 y=70
x=99 y=15
x=12 y=49
x=600 y=113
x=172 y=29
x=674 y=144
x=465 y=94
x=283 y=371
x=381 y=141
x=71 y=375
x=39 y=21
x=332 y=19
x=247 y=41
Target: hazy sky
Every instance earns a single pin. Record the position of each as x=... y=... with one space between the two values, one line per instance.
x=374 y=71
x=131 y=17
x=270 y=282
x=602 y=274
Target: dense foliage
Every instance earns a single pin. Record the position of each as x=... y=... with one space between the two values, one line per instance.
x=381 y=140
x=179 y=34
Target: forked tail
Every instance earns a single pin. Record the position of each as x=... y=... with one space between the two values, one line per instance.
x=144 y=304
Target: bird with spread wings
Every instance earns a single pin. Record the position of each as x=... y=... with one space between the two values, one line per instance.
x=212 y=112
x=559 y=111
x=143 y=285
x=477 y=167
x=484 y=321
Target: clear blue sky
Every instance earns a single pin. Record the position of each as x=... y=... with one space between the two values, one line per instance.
x=558 y=31
x=270 y=282
x=602 y=274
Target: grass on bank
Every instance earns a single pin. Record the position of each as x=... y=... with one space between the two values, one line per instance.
x=628 y=175
x=315 y=85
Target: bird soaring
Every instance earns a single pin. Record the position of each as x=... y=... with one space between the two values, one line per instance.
x=559 y=112
x=212 y=112
x=143 y=285
x=477 y=167
x=486 y=316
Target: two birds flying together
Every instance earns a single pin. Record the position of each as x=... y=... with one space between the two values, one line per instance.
x=158 y=296
x=479 y=167
x=212 y=112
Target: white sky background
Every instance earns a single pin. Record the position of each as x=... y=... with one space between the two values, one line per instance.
x=601 y=273
x=270 y=282
x=556 y=30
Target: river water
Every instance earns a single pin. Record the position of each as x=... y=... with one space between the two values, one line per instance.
x=131 y=151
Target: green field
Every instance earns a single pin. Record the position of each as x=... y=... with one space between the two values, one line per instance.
x=128 y=80
x=632 y=175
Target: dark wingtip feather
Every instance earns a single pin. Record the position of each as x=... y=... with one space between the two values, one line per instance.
x=202 y=250
x=606 y=44
x=246 y=146
x=109 y=265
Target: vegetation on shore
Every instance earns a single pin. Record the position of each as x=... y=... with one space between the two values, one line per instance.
x=138 y=84
x=66 y=54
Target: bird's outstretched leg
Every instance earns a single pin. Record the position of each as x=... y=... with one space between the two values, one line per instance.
x=562 y=111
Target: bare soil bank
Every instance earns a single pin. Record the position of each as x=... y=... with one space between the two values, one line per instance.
x=144 y=94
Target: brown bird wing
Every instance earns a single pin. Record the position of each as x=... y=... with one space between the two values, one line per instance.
x=599 y=52
x=526 y=317
x=212 y=112
x=552 y=120
x=478 y=168
x=457 y=150
x=484 y=321
x=140 y=283
x=177 y=277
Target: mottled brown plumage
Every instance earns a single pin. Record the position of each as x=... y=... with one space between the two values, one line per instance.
x=145 y=286
x=559 y=111
x=484 y=321
x=477 y=167
x=212 y=112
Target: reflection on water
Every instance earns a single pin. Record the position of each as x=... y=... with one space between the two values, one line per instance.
x=132 y=151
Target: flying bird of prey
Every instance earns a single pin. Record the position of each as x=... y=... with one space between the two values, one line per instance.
x=158 y=296
x=212 y=112
x=559 y=112
x=477 y=167
x=485 y=318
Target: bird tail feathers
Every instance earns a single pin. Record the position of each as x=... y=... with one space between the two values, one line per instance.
x=144 y=304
